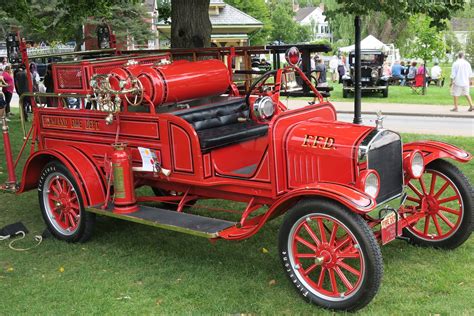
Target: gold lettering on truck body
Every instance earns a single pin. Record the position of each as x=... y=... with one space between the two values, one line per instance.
x=318 y=141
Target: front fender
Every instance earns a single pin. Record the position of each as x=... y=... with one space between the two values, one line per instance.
x=433 y=150
x=355 y=200
x=84 y=171
x=348 y=196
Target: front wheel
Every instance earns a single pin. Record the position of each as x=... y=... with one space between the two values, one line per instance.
x=330 y=255
x=62 y=205
x=444 y=197
x=345 y=93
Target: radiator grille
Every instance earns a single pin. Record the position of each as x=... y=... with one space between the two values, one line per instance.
x=387 y=161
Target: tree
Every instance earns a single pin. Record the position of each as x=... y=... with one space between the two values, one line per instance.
x=470 y=47
x=427 y=42
x=190 y=24
x=259 y=10
x=127 y=20
x=62 y=20
x=285 y=28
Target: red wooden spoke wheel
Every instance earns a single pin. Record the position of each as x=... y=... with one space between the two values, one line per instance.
x=444 y=197
x=331 y=255
x=62 y=205
x=327 y=256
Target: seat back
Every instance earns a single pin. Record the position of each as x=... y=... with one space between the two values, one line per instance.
x=216 y=115
x=419 y=80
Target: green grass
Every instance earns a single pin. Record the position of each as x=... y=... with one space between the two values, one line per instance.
x=133 y=269
x=404 y=95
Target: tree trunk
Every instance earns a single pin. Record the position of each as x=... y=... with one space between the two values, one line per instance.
x=79 y=38
x=190 y=24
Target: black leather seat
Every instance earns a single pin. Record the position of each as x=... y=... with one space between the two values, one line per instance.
x=223 y=123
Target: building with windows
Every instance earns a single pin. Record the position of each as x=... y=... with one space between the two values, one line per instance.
x=315 y=18
x=230 y=26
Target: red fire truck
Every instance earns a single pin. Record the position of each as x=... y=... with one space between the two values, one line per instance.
x=183 y=128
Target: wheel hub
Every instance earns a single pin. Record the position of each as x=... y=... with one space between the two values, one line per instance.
x=430 y=204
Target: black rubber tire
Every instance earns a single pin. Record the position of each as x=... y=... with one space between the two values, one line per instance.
x=385 y=92
x=345 y=93
x=465 y=189
x=368 y=244
x=171 y=206
x=87 y=219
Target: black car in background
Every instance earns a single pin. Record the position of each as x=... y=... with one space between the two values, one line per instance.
x=372 y=78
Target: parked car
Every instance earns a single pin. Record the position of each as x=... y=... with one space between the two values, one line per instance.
x=372 y=78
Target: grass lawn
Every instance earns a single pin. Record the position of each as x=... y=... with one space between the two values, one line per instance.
x=128 y=268
x=404 y=95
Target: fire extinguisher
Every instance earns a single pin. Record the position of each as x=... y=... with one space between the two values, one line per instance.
x=124 y=190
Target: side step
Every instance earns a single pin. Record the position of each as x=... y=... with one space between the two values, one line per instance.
x=171 y=220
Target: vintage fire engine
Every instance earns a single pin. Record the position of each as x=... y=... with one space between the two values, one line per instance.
x=183 y=128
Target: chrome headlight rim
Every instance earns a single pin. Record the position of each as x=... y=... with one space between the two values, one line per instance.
x=263 y=108
x=416 y=166
x=369 y=182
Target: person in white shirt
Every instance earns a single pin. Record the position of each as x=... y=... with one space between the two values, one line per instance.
x=333 y=63
x=460 y=80
x=437 y=75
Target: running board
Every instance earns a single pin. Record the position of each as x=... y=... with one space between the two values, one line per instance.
x=181 y=222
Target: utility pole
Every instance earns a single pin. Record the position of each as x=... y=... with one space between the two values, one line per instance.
x=357 y=83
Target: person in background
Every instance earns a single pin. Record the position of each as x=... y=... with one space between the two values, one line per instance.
x=333 y=63
x=9 y=85
x=421 y=69
x=21 y=86
x=412 y=71
x=341 y=68
x=386 y=69
x=397 y=71
x=320 y=70
x=3 y=64
x=461 y=73
x=436 y=74
x=2 y=103
x=49 y=84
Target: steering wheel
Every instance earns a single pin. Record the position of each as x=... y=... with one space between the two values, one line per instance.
x=257 y=84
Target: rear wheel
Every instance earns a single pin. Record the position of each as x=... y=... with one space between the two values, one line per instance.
x=330 y=255
x=385 y=92
x=62 y=205
x=445 y=198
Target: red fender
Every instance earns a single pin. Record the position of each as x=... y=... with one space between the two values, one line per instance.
x=348 y=196
x=433 y=150
x=84 y=171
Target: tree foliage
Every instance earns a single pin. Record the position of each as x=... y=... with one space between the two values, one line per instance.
x=470 y=48
x=62 y=20
x=426 y=42
x=439 y=10
x=285 y=28
x=259 y=10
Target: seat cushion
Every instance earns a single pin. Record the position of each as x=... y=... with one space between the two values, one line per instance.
x=229 y=134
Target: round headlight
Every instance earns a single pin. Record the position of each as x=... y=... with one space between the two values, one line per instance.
x=263 y=108
x=374 y=74
x=414 y=164
x=417 y=165
x=369 y=182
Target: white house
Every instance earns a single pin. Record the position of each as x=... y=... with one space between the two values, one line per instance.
x=315 y=18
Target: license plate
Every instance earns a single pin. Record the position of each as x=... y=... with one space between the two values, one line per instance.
x=389 y=231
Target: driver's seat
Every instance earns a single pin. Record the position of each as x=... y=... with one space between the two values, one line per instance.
x=223 y=123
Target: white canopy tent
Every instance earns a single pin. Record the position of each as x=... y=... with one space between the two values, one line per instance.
x=370 y=42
